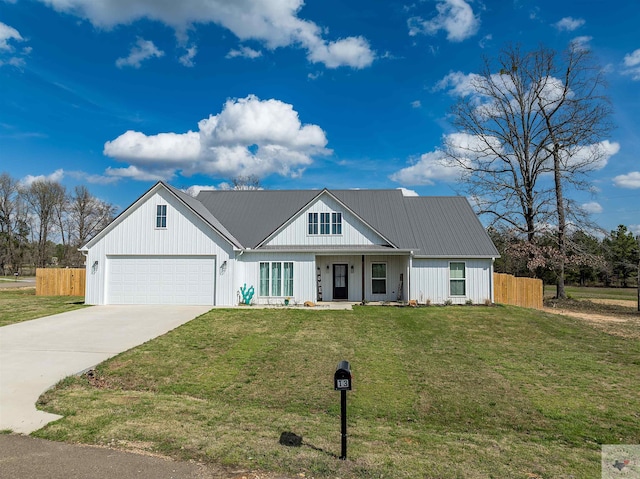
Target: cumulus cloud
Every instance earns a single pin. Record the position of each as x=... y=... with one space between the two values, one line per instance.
x=459 y=84
x=569 y=24
x=581 y=42
x=455 y=17
x=141 y=51
x=244 y=52
x=595 y=156
x=635 y=229
x=194 y=190
x=8 y=53
x=429 y=168
x=248 y=137
x=189 y=55
x=632 y=64
x=592 y=207
x=407 y=192
x=56 y=176
x=275 y=23
x=630 y=180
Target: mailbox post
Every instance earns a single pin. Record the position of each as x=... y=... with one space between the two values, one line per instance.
x=342 y=382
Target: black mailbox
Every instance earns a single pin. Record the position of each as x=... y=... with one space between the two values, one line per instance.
x=342 y=377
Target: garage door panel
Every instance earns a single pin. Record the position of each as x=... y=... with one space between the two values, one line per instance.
x=161 y=280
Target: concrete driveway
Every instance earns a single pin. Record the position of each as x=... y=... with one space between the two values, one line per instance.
x=35 y=355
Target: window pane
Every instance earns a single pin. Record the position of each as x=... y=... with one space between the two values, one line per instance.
x=457 y=287
x=324 y=223
x=264 y=279
x=276 y=279
x=288 y=279
x=161 y=216
x=313 y=223
x=456 y=270
x=379 y=286
x=336 y=223
x=378 y=270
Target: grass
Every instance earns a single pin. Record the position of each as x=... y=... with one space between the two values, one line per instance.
x=457 y=392
x=584 y=292
x=18 y=305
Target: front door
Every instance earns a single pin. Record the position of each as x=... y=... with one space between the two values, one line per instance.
x=340 y=290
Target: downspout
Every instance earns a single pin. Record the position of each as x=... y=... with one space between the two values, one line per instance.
x=491 y=281
x=362 y=279
x=409 y=276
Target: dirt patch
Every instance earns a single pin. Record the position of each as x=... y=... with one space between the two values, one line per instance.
x=586 y=316
x=625 y=303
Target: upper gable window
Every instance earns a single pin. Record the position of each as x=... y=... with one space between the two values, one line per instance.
x=161 y=216
x=324 y=224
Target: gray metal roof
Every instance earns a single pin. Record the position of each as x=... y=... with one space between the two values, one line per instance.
x=430 y=226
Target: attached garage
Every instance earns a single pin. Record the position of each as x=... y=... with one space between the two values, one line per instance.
x=160 y=279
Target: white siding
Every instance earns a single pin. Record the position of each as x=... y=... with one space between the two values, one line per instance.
x=430 y=281
x=304 y=284
x=136 y=234
x=354 y=231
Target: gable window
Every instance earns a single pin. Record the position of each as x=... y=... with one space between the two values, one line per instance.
x=276 y=278
x=379 y=278
x=457 y=279
x=324 y=224
x=336 y=223
x=161 y=216
x=313 y=223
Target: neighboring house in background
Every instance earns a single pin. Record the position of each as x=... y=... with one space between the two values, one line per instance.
x=329 y=245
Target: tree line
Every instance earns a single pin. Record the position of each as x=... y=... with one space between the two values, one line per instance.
x=609 y=260
x=42 y=223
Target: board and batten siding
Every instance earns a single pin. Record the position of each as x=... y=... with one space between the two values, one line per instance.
x=430 y=281
x=304 y=283
x=354 y=231
x=136 y=234
x=396 y=265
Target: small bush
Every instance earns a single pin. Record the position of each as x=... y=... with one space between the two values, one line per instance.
x=469 y=302
x=448 y=302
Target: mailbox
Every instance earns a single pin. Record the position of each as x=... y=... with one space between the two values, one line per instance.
x=342 y=377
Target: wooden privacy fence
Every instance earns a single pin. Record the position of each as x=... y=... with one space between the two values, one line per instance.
x=525 y=292
x=60 y=281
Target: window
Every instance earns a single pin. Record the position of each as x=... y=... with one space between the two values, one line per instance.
x=313 y=223
x=276 y=278
x=379 y=278
x=325 y=223
x=336 y=223
x=457 y=279
x=329 y=224
x=161 y=216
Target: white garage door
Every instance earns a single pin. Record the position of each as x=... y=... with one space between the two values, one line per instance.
x=161 y=279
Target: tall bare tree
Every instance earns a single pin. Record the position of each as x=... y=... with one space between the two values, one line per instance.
x=44 y=198
x=531 y=127
x=13 y=224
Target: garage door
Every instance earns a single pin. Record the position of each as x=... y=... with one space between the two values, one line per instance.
x=161 y=279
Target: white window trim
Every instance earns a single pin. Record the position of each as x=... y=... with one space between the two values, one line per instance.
x=458 y=279
x=270 y=278
x=386 y=278
x=319 y=224
x=158 y=216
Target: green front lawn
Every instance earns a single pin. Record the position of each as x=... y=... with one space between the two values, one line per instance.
x=18 y=305
x=439 y=392
x=585 y=292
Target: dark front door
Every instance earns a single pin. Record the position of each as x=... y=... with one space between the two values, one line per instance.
x=340 y=290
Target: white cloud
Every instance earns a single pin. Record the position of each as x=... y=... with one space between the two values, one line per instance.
x=431 y=167
x=416 y=104
x=594 y=157
x=244 y=52
x=275 y=23
x=582 y=42
x=592 y=207
x=136 y=173
x=407 y=192
x=569 y=24
x=8 y=33
x=455 y=17
x=352 y=51
x=486 y=39
x=630 y=180
x=248 y=137
x=56 y=176
x=143 y=50
x=459 y=84
x=635 y=229
x=632 y=64
x=7 y=50
x=187 y=58
x=194 y=190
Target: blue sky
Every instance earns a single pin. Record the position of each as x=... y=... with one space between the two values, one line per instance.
x=117 y=94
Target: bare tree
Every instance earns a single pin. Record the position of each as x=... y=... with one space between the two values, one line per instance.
x=87 y=215
x=250 y=182
x=13 y=224
x=529 y=129
x=44 y=199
